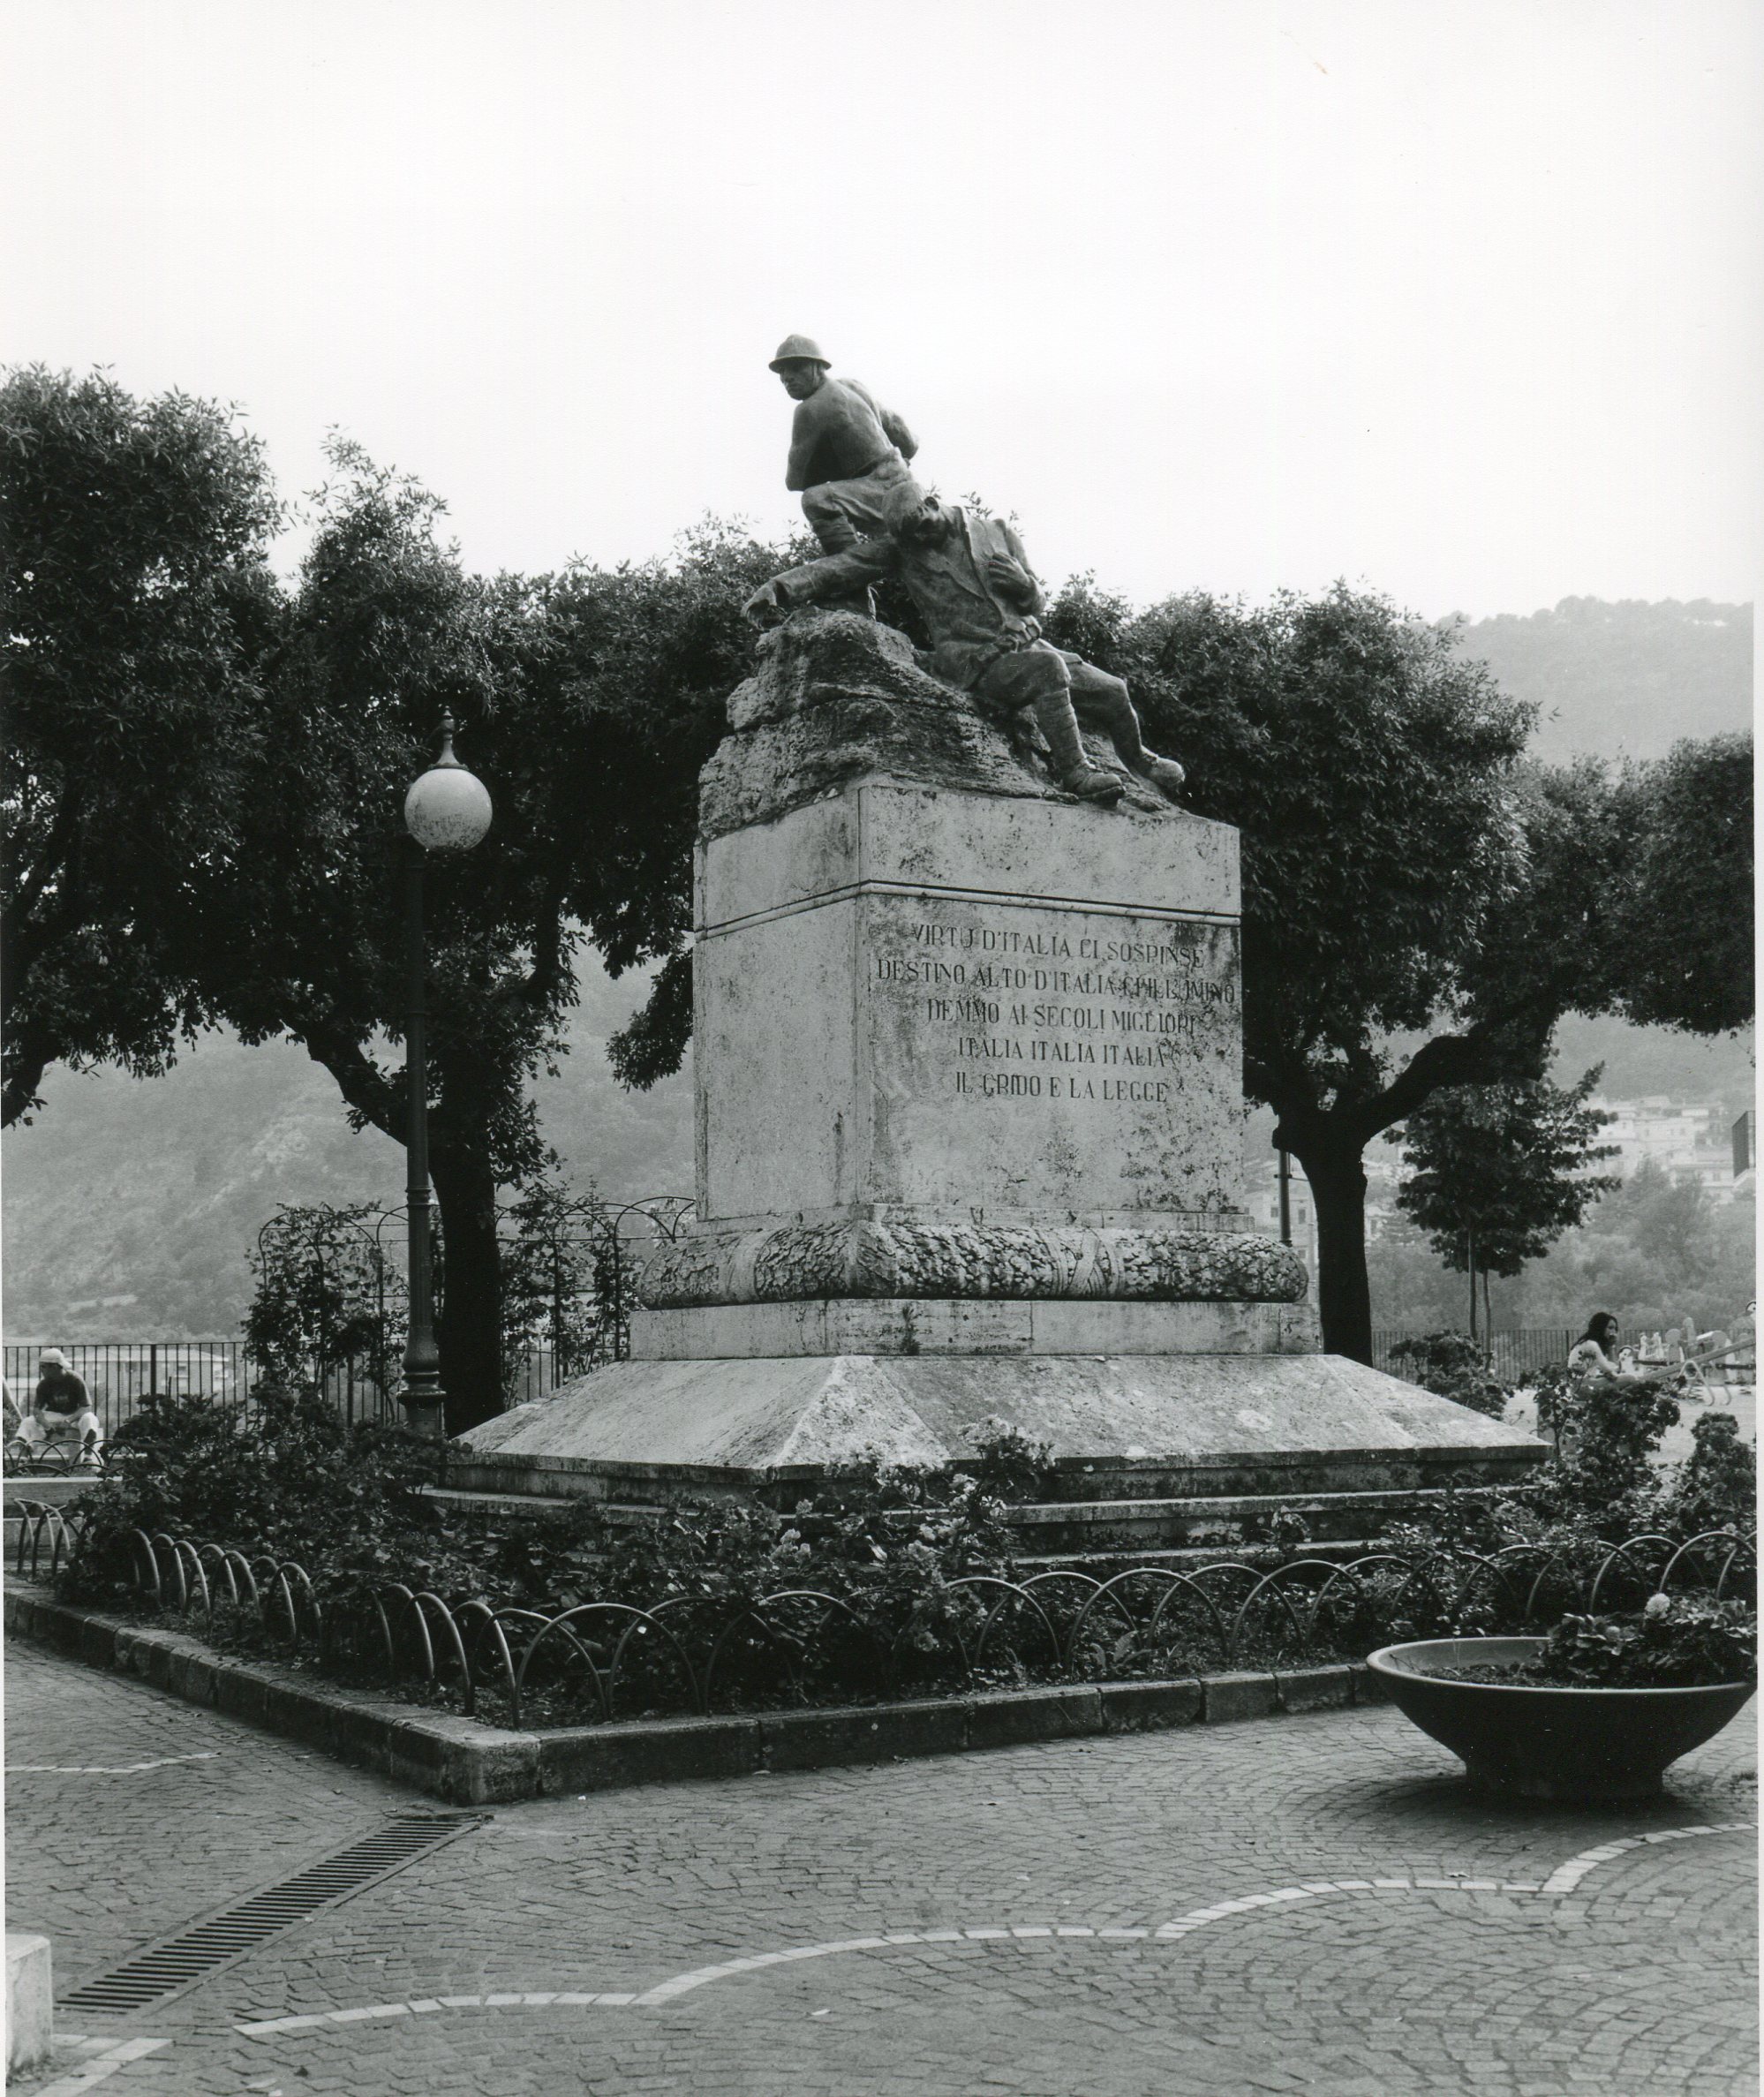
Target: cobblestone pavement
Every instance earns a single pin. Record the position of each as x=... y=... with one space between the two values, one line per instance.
x=1073 y=1920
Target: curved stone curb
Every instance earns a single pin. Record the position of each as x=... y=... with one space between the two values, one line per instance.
x=468 y=1764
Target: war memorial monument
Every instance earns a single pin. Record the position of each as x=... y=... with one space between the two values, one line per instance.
x=968 y=1072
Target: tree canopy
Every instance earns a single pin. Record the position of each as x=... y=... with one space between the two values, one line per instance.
x=1686 y=929
x=139 y=607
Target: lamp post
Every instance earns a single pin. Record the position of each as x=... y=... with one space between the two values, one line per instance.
x=446 y=809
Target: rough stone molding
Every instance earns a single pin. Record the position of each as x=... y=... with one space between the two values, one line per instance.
x=796 y=1263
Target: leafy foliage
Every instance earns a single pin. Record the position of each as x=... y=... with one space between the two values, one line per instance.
x=1685 y=916
x=295 y=1480
x=1674 y=1642
x=1498 y=1172
x=139 y=611
x=1607 y=1429
x=325 y=1295
x=1452 y=1365
x=1717 y=1485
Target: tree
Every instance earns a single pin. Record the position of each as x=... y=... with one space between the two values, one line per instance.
x=1498 y=1172
x=1420 y=907
x=1374 y=776
x=138 y=605
x=1685 y=913
x=587 y=702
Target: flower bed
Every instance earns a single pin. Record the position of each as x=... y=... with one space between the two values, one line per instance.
x=313 y=1539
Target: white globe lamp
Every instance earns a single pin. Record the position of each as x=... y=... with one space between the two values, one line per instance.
x=447 y=808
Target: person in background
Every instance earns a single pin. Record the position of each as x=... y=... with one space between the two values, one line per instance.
x=1594 y=1354
x=60 y=1409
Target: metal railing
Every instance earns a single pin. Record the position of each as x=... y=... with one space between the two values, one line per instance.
x=1523 y=1351
x=119 y=1373
x=579 y=1326
x=691 y=1653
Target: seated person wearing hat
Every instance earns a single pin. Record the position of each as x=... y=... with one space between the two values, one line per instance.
x=60 y=1409
x=847 y=451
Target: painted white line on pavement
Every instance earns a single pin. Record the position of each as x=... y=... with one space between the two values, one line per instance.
x=1566 y=1876
x=1562 y=1880
x=117 y=2055
x=164 y=1761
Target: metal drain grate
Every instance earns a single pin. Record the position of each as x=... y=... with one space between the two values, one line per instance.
x=178 y=1962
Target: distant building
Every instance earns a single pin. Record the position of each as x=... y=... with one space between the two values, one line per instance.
x=1687 y=1140
x=1745 y=1135
x=1262 y=1200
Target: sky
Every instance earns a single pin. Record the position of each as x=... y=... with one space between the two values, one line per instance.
x=1460 y=301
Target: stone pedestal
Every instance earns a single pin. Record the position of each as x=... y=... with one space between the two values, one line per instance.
x=967 y=1061
x=30 y=2016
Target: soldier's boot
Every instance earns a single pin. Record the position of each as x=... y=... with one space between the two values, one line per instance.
x=1073 y=771
x=1164 y=773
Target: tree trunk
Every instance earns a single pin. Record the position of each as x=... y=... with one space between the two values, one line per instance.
x=1470 y=1261
x=1337 y=1181
x=470 y=1329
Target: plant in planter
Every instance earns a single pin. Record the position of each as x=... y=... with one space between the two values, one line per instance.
x=1598 y=1709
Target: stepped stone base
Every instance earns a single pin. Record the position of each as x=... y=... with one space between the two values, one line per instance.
x=1121 y=1426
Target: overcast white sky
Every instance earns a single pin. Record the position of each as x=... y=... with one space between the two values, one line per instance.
x=1462 y=300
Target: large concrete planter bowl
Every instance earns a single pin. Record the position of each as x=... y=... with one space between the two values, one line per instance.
x=1550 y=1743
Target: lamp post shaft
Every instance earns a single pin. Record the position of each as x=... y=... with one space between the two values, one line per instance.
x=422 y=1357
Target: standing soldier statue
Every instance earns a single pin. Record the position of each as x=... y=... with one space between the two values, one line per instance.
x=846 y=452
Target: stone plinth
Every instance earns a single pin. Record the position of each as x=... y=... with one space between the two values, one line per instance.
x=916 y=1004
x=1119 y=1425
x=967 y=1061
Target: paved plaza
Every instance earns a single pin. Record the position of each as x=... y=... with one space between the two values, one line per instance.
x=1311 y=1904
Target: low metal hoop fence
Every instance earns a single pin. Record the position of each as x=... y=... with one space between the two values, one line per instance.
x=797 y=1645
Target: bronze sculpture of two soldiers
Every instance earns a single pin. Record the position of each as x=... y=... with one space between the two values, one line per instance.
x=965 y=572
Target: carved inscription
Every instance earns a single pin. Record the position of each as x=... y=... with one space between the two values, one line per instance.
x=1021 y=1012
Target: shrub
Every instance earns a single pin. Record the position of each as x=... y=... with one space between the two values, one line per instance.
x=1453 y=1366
x=1006 y=1463
x=1717 y=1486
x=1673 y=1642
x=294 y=1479
x=1608 y=1431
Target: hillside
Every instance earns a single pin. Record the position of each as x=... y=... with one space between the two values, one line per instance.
x=130 y=1207
x=1623 y=679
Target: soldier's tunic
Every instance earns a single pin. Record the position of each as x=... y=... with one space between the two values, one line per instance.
x=848 y=454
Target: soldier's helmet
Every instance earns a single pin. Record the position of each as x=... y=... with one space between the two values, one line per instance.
x=798 y=348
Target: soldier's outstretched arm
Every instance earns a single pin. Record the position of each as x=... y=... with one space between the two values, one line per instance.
x=834 y=575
